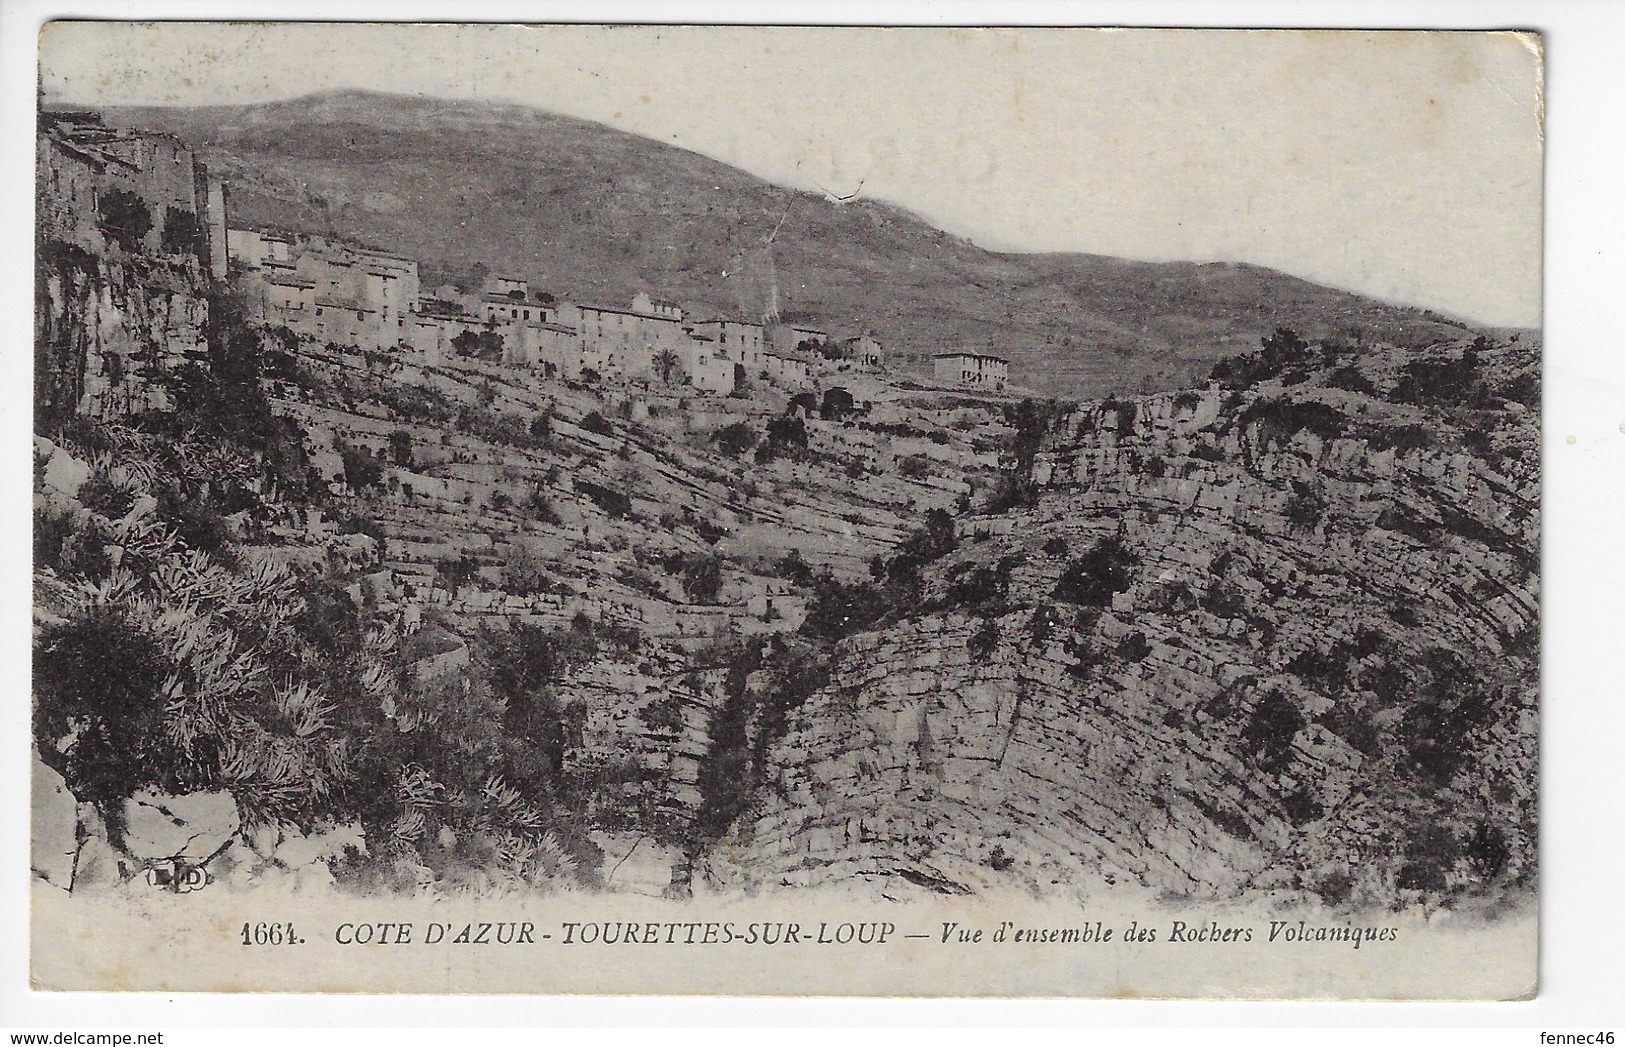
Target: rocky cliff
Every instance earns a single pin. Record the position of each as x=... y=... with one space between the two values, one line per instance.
x=123 y=275
x=109 y=331
x=1276 y=637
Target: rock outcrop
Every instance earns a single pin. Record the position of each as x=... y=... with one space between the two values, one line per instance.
x=1279 y=638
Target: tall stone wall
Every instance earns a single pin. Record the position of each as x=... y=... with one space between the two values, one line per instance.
x=116 y=316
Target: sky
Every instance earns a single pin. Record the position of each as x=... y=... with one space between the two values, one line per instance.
x=1403 y=165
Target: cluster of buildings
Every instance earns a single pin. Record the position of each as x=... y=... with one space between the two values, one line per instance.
x=142 y=191
x=145 y=192
x=330 y=291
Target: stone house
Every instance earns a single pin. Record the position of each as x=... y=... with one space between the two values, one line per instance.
x=971 y=369
x=865 y=351
x=621 y=343
x=511 y=288
x=430 y=335
x=642 y=302
x=794 y=368
x=79 y=165
x=789 y=338
x=356 y=296
x=736 y=340
x=252 y=249
x=705 y=367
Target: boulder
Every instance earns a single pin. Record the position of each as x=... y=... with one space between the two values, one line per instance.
x=296 y=850
x=98 y=863
x=193 y=826
x=53 y=827
x=64 y=473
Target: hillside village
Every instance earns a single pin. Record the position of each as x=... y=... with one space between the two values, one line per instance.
x=471 y=586
x=521 y=355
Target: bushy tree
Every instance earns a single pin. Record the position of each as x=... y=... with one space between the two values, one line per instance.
x=125 y=218
x=702 y=578
x=361 y=470
x=1091 y=580
x=99 y=680
x=400 y=447
x=735 y=439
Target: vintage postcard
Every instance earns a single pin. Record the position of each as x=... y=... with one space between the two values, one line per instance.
x=782 y=511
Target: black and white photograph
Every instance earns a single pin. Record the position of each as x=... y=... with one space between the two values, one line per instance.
x=772 y=510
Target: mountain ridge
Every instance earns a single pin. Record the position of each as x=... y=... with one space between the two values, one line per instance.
x=589 y=211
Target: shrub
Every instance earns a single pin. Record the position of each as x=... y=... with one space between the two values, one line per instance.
x=837 y=404
x=786 y=438
x=101 y=494
x=837 y=609
x=616 y=503
x=1523 y=388
x=1055 y=546
x=457 y=573
x=182 y=234
x=361 y=470
x=1274 y=722
x=523 y=574
x=1283 y=355
x=195 y=516
x=914 y=467
x=480 y=345
x=1349 y=377
x=1487 y=851
x=597 y=423
x=702 y=579
x=1437 y=382
x=973 y=585
x=794 y=568
x=99 y=678
x=400 y=447
x=1304 y=507
x=1093 y=578
x=1279 y=419
x=933 y=541
x=540 y=507
x=735 y=439
x=1134 y=647
x=1430 y=856
x=1301 y=806
x=664 y=714
x=984 y=641
x=124 y=218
